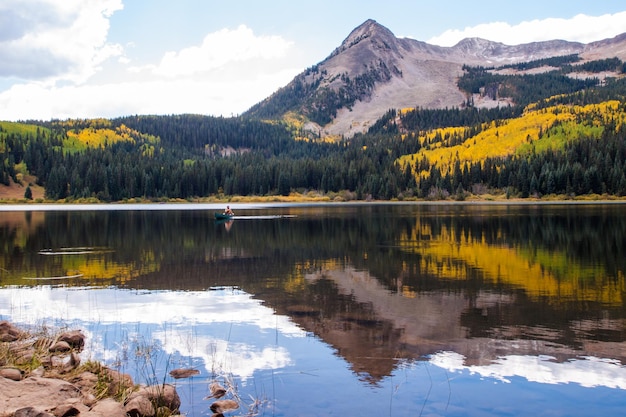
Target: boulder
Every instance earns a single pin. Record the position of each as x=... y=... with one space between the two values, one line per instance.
x=108 y=408
x=38 y=393
x=8 y=332
x=60 y=346
x=183 y=373
x=75 y=339
x=217 y=391
x=11 y=373
x=67 y=410
x=31 y=412
x=223 y=406
x=139 y=407
x=118 y=382
x=164 y=395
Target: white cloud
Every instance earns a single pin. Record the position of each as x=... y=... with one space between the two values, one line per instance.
x=58 y=62
x=50 y=41
x=221 y=94
x=222 y=48
x=230 y=71
x=580 y=28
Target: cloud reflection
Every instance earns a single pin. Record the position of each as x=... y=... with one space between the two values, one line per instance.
x=31 y=305
x=177 y=321
x=222 y=356
x=588 y=371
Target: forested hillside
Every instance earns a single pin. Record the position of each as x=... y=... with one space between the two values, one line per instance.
x=562 y=134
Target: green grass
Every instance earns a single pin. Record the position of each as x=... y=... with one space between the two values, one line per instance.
x=8 y=128
x=558 y=136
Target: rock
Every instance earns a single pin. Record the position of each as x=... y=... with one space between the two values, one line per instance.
x=72 y=362
x=89 y=399
x=66 y=410
x=161 y=395
x=85 y=381
x=74 y=338
x=25 y=356
x=60 y=347
x=119 y=382
x=217 y=391
x=108 y=408
x=183 y=373
x=139 y=407
x=31 y=412
x=21 y=348
x=11 y=373
x=223 y=406
x=8 y=332
x=39 y=393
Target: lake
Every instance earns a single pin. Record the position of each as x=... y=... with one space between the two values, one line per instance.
x=338 y=309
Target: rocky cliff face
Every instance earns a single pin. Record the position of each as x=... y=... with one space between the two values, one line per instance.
x=373 y=71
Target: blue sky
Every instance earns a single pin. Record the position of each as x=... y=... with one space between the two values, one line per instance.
x=107 y=58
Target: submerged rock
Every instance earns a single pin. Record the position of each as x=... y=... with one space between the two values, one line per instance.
x=223 y=406
x=183 y=373
x=217 y=391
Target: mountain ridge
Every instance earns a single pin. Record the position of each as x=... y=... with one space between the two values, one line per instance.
x=373 y=71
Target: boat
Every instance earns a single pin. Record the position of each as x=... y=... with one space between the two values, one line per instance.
x=223 y=216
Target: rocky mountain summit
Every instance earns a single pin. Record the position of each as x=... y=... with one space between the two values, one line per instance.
x=373 y=71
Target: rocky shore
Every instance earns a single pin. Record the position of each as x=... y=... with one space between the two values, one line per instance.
x=42 y=376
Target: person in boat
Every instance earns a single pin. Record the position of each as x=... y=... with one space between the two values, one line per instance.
x=228 y=211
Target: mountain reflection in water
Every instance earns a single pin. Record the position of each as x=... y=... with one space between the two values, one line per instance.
x=501 y=292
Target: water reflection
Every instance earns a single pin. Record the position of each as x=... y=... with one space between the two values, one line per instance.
x=182 y=314
x=587 y=372
x=497 y=292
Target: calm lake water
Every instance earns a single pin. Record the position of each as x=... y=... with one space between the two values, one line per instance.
x=346 y=310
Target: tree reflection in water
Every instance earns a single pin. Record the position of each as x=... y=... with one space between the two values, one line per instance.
x=473 y=286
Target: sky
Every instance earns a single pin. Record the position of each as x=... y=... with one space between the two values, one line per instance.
x=65 y=59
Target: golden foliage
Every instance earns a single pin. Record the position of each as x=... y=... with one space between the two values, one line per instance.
x=540 y=273
x=93 y=137
x=536 y=129
x=96 y=137
x=294 y=120
x=98 y=267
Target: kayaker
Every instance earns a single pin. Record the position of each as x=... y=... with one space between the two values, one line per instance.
x=228 y=211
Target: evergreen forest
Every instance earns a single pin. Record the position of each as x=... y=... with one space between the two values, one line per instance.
x=560 y=135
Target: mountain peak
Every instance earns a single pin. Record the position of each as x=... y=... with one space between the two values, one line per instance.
x=372 y=71
x=370 y=29
x=476 y=43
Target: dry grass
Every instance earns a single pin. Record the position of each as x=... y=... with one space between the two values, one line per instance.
x=15 y=192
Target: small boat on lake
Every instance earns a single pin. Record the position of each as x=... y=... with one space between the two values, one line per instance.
x=223 y=216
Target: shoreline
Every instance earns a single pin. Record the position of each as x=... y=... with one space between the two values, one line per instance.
x=7 y=206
